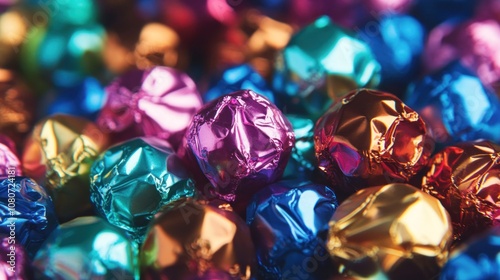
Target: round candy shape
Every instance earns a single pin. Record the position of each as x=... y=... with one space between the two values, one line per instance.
x=242 y=142
x=59 y=153
x=9 y=163
x=456 y=106
x=86 y=248
x=288 y=220
x=390 y=232
x=476 y=259
x=238 y=78
x=370 y=138
x=28 y=212
x=159 y=102
x=130 y=182
x=14 y=263
x=189 y=239
x=466 y=179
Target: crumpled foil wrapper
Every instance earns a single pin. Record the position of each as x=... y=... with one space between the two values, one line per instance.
x=58 y=155
x=370 y=138
x=466 y=179
x=132 y=181
x=192 y=240
x=9 y=162
x=394 y=231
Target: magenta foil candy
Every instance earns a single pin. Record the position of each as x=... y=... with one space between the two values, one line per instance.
x=8 y=158
x=242 y=142
x=157 y=102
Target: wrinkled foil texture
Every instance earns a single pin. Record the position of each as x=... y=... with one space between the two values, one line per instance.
x=87 y=248
x=288 y=221
x=157 y=102
x=394 y=231
x=58 y=155
x=242 y=142
x=8 y=158
x=32 y=213
x=466 y=179
x=192 y=240
x=130 y=182
x=370 y=138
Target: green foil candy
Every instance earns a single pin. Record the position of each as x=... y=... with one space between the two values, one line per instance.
x=323 y=54
x=87 y=248
x=131 y=181
x=303 y=159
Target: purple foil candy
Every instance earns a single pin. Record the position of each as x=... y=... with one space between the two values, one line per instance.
x=158 y=102
x=9 y=162
x=13 y=260
x=242 y=142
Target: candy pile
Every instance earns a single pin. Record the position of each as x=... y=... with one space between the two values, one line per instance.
x=249 y=139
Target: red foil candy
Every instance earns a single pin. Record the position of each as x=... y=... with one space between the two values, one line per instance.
x=466 y=179
x=242 y=142
x=370 y=138
x=158 y=102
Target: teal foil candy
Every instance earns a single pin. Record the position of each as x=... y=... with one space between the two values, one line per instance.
x=87 y=248
x=456 y=106
x=324 y=51
x=131 y=182
x=303 y=160
x=236 y=78
x=477 y=259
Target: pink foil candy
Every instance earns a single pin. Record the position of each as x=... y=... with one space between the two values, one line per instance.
x=242 y=142
x=157 y=102
x=9 y=162
x=474 y=42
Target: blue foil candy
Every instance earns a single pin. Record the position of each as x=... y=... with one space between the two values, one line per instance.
x=132 y=181
x=83 y=100
x=26 y=208
x=237 y=78
x=397 y=42
x=288 y=221
x=456 y=106
x=477 y=259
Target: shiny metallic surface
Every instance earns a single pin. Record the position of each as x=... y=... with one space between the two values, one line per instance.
x=58 y=155
x=288 y=220
x=242 y=142
x=28 y=206
x=87 y=248
x=158 y=102
x=466 y=179
x=192 y=240
x=132 y=181
x=8 y=158
x=16 y=268
x=390 y=232
x=370 y=138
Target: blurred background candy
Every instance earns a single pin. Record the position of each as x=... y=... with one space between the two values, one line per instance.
x=14 y=262
x=157 y=102
x=242 y=142
x=58 y=155
x=238 y=78
x=396 y=42
x=473 y=42
x=17 y=107
x=434 y=12
x=192 y=240
x=370 y=138
x=28 y=206
x=9 y=162
x=466 y=179
x=390 y=232
x=288 y=221
x=477 y=259
x=87 y=248
x=132 y=181
x=456 y=105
